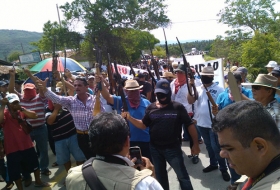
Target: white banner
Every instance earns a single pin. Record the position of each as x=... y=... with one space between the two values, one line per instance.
x=217 y=64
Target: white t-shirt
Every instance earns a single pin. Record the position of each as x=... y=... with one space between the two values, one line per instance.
x=202 y=115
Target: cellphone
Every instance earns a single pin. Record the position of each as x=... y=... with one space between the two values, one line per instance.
x=135 y=152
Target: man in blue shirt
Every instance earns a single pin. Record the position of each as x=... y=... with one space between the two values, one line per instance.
x=276 y=73
x=136 y=107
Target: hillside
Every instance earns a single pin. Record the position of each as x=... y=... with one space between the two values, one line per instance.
x=11 y=41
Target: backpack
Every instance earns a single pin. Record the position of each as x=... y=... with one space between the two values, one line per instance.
x=90 y=176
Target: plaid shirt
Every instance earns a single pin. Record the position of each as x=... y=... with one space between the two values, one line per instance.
x=82 y=114
x=274 y=109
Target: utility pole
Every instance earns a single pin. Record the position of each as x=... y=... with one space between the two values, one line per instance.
x=22 y=48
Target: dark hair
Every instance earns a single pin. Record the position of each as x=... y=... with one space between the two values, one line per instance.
x=108 y=133
x=247 y=120
x=83 y=79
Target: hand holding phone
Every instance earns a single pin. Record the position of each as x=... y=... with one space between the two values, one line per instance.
x=135 y=152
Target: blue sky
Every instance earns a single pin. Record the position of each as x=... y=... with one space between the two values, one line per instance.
x=191 y=19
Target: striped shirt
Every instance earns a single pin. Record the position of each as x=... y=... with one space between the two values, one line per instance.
x=82 y=114
x=63 y=126
x=37 y=105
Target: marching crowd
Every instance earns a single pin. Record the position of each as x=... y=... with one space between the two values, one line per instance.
x=241 y=138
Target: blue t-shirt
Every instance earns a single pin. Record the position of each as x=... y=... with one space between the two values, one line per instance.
x=223 y=99
x=138 y=113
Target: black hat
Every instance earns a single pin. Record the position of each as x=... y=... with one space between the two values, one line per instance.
x=276 y=71
x=163 y=86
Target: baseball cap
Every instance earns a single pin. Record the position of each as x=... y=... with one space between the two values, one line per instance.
x=91 y=77
x=29 y=86
x=163 y=86
x=12 y=98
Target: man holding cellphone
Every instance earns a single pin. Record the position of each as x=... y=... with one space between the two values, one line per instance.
x=110 y=138
x=165 y=119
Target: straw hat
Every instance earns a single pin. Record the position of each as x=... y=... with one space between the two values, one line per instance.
x=265 y=80
x=167 y=75
x=132 y=85
x=207 y=71
x=233 y=68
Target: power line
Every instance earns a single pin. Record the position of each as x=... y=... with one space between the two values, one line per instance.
x=195 y=21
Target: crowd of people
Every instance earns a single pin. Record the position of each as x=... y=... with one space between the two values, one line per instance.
x=241 y=138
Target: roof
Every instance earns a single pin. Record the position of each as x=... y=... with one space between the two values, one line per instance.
x=2 y=62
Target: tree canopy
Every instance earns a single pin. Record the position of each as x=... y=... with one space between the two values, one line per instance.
x=116 y=25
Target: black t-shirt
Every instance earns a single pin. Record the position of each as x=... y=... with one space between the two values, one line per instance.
x=166 y=124
x=147 y=87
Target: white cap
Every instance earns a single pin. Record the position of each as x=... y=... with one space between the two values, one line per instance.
x=12 y=97
x=271 y=64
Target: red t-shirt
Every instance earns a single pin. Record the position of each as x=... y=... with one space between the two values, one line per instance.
x=15 y=139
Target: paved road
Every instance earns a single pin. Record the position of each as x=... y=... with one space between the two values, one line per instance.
x=200 y=180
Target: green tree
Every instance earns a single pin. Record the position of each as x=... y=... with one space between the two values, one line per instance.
x=249 y=16
x=258 y=52
x=14 y=56
x=159 y=52
x=111 y=24
x=64 y=38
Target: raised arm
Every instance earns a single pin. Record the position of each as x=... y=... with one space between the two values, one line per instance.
x=191 y=99
x=51 y=119
x=104 y=91
x=11 y=86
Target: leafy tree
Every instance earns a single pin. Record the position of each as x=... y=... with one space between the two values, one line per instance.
x=14 y=56
x=249 y=16
x=64 y=38
x=112 y=24
x=159 y=52
x=258 y=52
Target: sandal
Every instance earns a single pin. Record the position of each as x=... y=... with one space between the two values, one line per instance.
x=46 y=172
x=200 y=141
x=43 y=184
x=9 y=185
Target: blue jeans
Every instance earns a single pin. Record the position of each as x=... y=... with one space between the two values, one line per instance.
x=174 y=157
x=213 y=148
x=40 y=136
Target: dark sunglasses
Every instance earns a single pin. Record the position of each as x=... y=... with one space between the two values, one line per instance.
x=256 y=87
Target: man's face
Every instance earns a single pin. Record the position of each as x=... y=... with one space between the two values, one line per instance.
x=260 y=92
x=269 y=69
x=15 y=105
x=4 y=88
x=80 y=87
x=242 y=160
x=91 y=81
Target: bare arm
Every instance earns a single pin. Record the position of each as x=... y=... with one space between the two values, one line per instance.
x=149 y=95
x=51 y=119
x=136 y=122
x=2 y=112
x=104 y=91
x=191 y=99
x=29 y=114
x=11 y=86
